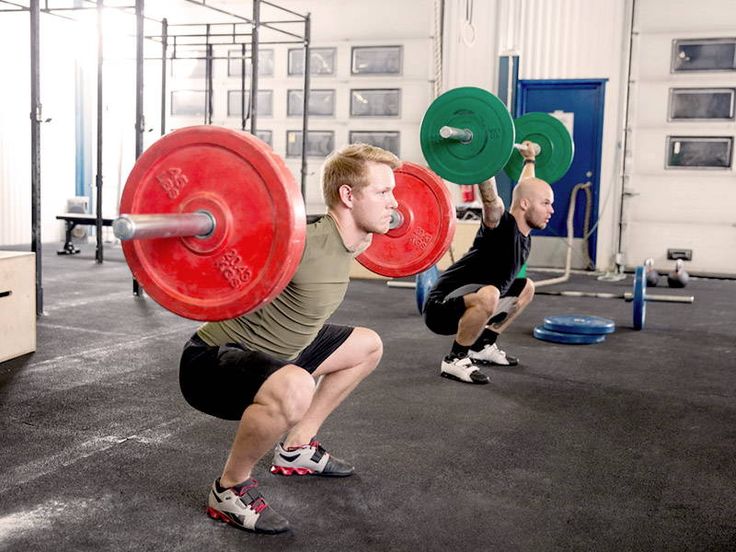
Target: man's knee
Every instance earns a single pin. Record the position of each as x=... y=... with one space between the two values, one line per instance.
x=487 y=299
x=288 y=393
x=372 y=344
x=527 y=294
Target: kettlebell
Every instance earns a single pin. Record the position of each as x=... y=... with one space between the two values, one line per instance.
x=678 y=278
x=651 y=275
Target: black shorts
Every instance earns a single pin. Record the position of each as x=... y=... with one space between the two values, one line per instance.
x=442 y=315
x=223 y=381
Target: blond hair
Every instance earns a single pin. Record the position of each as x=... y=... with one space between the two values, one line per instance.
x=348 y=166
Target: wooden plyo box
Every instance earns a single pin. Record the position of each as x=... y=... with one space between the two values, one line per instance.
x=17 y=304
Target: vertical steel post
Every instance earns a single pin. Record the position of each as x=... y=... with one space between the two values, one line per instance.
x=210 y=84
x=98 y=178
x=243 y=114
x=35 y=115
x=254 y=65
x=305 y=112
x=140 y=122
x=164 y=47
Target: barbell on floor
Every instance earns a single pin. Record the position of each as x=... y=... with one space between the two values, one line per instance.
x=638 y=296
x=213 y=224
x=468 y=135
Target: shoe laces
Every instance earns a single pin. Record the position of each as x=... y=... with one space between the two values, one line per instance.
x=257 y=502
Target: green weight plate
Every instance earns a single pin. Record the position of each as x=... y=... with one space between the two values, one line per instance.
x=640 y=305
x=557 y=148
x=486 y=117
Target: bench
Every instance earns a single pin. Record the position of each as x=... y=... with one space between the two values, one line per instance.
x=72 y=220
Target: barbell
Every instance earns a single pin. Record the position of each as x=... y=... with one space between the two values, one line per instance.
x=638 y=296
x=467 y=136
x=213 y=224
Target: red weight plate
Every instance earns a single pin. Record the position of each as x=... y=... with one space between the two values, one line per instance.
x=426 y=232
x=260 y=222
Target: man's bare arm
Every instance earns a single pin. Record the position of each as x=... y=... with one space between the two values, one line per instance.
x=493 y=206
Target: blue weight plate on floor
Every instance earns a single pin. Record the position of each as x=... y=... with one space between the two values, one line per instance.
x=425 y=282
x=640 y=291
x=579 y=324
x=540 y=332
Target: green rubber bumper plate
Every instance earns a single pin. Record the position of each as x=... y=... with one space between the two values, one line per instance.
x=486 y=117
x=557 y=148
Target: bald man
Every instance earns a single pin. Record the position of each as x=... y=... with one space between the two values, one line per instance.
x=479 y=296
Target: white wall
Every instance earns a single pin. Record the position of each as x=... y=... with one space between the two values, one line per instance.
x=57 y=136
x=676 y=208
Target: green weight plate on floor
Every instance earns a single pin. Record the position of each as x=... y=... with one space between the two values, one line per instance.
x=640 y=304
x=579 y=324
x=557 y=148
x=486 y=117
x=540 y=332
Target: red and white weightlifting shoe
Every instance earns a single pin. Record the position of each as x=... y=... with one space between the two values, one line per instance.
x=309 y=459
x=244 y=507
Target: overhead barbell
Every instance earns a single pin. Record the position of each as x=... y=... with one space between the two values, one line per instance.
x=213 y=224
x=468 y=135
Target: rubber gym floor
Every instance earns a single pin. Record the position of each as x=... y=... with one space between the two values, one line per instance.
x=624 y=445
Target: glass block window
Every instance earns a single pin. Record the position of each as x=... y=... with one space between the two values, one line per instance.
x=321 y=61
x=265 y=63
x=389 y=140
x=266 y=136
x=702 y=103
x=189 y=64
x=321 y=103
x=265 y=103
x=319 y=143
x=188 y=103
x=699 y=152
x=708 y=54
x=375 y=102
x=376 y=60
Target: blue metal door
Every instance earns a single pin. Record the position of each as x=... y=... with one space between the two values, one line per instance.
x=579 y=103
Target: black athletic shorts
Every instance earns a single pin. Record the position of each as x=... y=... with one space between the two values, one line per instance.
x=442 y=315
x=223 y=381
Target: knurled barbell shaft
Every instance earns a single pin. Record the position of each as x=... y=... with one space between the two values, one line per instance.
x=662 y=298
x=627 y=296
x=138 y=227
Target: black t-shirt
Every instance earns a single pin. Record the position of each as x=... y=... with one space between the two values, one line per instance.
x=495 y=258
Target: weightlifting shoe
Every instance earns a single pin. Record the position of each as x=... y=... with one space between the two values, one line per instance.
x=244 y=507
x=461 y=368
x=309 y=459
x=491 y=354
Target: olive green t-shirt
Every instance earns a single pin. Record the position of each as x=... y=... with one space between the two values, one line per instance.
x=286 y=325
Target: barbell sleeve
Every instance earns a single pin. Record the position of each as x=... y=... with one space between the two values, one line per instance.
x=138 y=227
x=456 y=134
x=535 y=148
